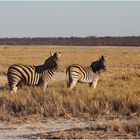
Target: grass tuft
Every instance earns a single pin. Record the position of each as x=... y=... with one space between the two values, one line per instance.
x=58 y=100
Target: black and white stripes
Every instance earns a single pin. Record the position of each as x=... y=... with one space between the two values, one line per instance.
x=32 y=75
x=77 y=73
x=42 y=74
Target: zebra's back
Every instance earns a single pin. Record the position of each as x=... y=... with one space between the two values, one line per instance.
x=23 y=73
x=79 y=73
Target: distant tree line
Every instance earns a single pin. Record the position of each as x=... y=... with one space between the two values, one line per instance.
x=78 y=41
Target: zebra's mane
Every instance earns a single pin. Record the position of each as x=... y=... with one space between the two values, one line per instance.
x=51 y=62
x=41 y=68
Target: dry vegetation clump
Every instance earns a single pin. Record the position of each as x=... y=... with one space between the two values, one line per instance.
x=112 y=97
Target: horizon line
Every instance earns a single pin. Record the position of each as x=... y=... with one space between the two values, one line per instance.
x=73 y=36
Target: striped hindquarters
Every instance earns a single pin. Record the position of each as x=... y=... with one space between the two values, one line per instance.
x=79 y=73
x=23 y=73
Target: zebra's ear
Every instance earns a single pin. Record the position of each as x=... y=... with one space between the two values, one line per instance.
x=106 y=57
x=59 y=54
x=101 y=57
x=51 y=53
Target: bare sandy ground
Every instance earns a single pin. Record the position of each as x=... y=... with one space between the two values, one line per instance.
x=53 y=128
x=103 y=129
x=24 y=130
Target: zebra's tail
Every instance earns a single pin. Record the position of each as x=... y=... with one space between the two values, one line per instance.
x=68 y=77
x=9 y=80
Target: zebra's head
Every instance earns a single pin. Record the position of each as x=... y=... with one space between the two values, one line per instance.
x=99 y=65
x=51 y=62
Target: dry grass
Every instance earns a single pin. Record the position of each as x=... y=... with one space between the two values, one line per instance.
x=117 y=93
x=120 y=57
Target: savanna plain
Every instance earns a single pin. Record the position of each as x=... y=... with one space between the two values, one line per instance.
x=113 y=106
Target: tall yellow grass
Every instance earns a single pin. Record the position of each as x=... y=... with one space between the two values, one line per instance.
x=117 y=92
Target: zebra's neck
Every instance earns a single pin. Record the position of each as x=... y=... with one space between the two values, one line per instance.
x=39 y=69
x=49 y=71
x=98 y=72
x=42 y=68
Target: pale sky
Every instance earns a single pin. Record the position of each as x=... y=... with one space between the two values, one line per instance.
x=65 y=19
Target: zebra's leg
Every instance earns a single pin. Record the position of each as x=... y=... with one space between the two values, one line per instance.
x=43 y=86
x=14 y=88
x=13 y=85
x=73 y=83
x=93 y=83
x=90 y=84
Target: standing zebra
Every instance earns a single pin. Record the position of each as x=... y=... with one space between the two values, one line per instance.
x=77 y=73
x=32 y=75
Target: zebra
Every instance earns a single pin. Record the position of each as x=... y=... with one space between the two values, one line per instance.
x=77 y=73
x=32 y=75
